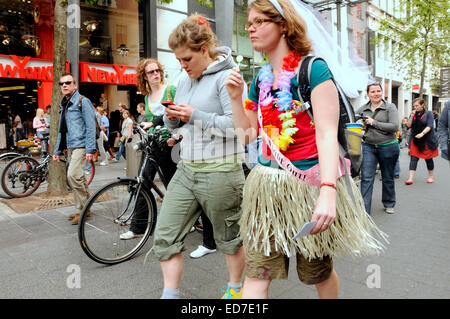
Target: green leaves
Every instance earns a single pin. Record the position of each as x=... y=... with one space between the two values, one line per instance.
x=421 y=28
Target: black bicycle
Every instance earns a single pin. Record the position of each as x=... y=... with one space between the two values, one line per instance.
x=123 y=205
x=5 y=158
x=22 y=176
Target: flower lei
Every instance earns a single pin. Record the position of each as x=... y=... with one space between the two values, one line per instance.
x=284 y=100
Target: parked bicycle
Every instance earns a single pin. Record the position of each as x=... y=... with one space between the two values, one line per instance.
x=22 y=176
x=6 y=157
x=122 y=204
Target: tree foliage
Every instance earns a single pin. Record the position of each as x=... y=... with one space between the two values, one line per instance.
x=422 y=38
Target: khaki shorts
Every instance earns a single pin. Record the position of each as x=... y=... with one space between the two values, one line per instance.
x=276 y=266
x=218 y=194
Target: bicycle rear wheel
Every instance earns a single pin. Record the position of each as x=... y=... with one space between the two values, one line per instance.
x=112 y=211
x=5 y=158
x=20 y=178
x=89 y=177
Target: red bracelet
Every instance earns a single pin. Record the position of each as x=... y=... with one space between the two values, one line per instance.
x=329 y=185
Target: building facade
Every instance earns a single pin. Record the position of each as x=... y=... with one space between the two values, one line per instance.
x=106 y=41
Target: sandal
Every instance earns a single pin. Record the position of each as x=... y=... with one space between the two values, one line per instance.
x=409 y=182
x=430 y=180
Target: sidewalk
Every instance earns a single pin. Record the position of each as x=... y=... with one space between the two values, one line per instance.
x=38 y=252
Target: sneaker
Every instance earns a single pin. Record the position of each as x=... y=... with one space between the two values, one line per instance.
x=103 y=164
x=201 y=251
x=115 y=160
x=231 y=294
x=389 y=210
x=129 y=235
x=87 y=172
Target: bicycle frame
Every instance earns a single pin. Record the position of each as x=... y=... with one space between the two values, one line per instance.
x=143 y=179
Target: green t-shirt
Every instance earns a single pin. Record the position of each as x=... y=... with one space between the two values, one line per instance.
x=169 y=94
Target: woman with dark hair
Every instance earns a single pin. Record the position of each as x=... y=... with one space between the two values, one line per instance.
x=423 y=142
x=380 y=146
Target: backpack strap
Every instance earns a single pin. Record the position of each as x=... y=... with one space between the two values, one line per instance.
x=79 y=102
x=304 y=93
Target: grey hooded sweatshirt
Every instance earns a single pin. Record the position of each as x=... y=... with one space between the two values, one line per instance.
x=210 y=132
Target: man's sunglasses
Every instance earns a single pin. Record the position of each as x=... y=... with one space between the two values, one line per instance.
x=66 y=83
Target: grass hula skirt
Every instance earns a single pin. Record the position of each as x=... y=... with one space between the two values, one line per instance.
x=276 y=206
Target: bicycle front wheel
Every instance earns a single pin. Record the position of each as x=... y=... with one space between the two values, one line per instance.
x=21 y=177
x=111 y=212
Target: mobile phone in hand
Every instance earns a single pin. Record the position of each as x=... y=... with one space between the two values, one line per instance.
x=167 y=103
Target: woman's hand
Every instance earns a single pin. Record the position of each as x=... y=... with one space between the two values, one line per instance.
x=235 y=84
x=171 y=142
x=369 y=121
x=146 y=125
x=420 y=135
x=181 y=111
x=325 y=210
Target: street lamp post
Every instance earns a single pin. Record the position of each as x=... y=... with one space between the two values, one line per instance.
x=338 y=23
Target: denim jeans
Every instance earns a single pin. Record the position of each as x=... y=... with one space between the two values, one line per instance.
x=121 y=152
x=387 y=157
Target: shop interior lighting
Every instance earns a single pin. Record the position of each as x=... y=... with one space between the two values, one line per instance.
x=11 y=88
x=95 y=51
x=6 y=40
x=30 y=40
x=123 y=50
x=91 y=25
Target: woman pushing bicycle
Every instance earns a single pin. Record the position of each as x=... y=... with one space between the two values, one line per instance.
x=210 y=173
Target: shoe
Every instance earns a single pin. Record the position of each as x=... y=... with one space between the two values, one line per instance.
x=396 y=176
x=231 y=294
x=115 y=160
x=201 y=251
x=129 y=235
x=389 y=210
x=409 y=182
x=71 y=216
x=430 y=180
x=192 y=229
x=76 y=218
x=199 y=227
x=110 y=159
x=87 y=172
x=103 y=164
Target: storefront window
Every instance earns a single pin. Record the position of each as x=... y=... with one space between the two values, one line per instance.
x=109 y=44
x=241 y=42
x=26 y=57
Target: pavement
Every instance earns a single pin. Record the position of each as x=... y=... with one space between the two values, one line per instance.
x=40 y=256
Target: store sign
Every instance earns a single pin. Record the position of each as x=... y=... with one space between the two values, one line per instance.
x=15 y=67
x=415 y=87
x=445 y=82
x=107 y=73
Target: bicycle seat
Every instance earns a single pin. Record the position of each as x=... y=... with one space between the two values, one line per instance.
x=22 y=149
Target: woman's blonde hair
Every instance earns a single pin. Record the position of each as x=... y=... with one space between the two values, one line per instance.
x=40 y=113
x=195 y=33
x=296 y=36
x=141 y=76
